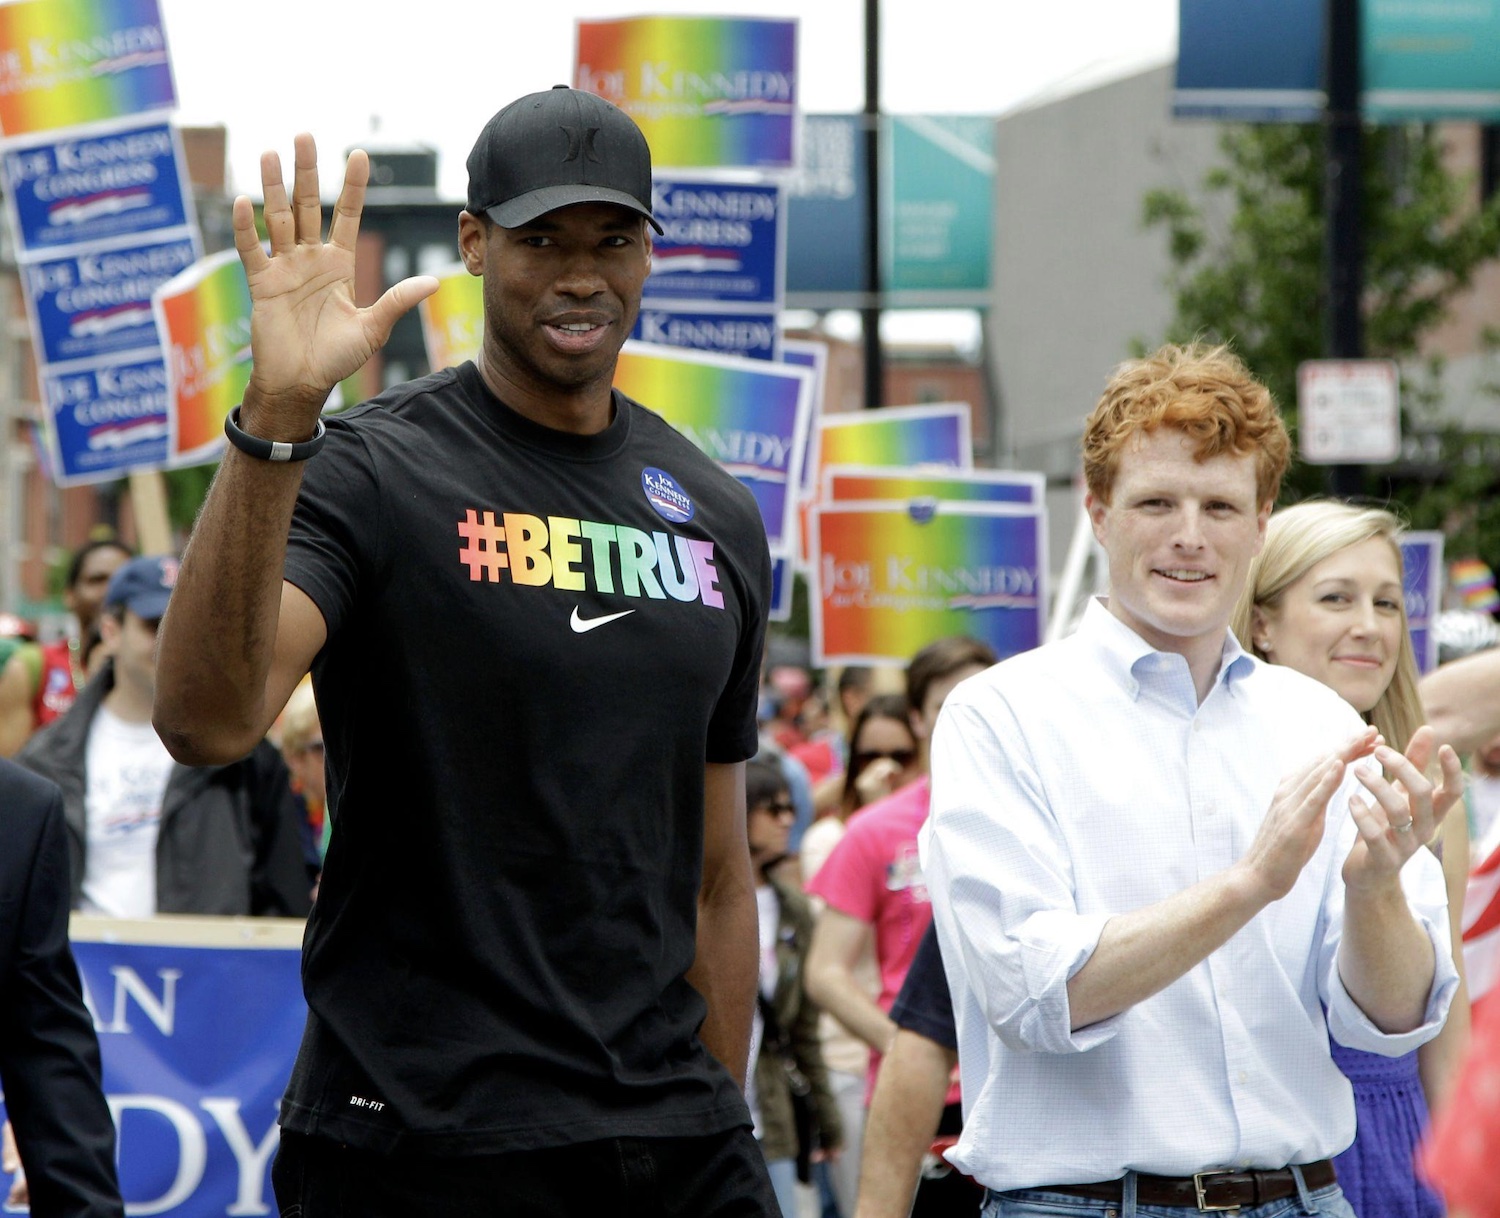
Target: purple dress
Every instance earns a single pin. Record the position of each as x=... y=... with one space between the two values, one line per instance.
x=1377 y=1172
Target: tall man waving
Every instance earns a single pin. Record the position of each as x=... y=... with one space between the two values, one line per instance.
x=534 y=618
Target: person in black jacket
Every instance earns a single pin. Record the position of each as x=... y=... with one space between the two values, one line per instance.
x=49 y=1056
x=145 y=834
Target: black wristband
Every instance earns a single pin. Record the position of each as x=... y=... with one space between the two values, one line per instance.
x=271 y=450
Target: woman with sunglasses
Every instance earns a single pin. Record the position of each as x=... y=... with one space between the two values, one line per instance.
x=882 y=759
x=1325 y=597
x=789 y=1073
x=873 y=890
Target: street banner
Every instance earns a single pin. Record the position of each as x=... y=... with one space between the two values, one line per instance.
x=96 y=303
x=203 y=319
x=1430 y=59
x=723 y=244
x=707 y=91
x=453 y=317
x=852 y=482
x=1422 y=585
x=748 y=415
x=64 y=63
x=748 y=333
x=889 y=581
x=1253 y=63
x=106 y=420
x=94 y=186
x=940 y=183
x=931 y=435
x=1421 y=60
x=827 y=213
x=198 y=1020
x=937 y=208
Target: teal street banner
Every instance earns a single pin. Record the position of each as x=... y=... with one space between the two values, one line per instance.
x=1421 y=60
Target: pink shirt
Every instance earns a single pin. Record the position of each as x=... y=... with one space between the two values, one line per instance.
x=873 y=875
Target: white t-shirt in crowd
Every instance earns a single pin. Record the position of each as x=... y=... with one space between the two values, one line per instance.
x=127 y=768
x=768 y=910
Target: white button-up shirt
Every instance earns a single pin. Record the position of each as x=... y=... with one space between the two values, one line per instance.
x=1084 y=780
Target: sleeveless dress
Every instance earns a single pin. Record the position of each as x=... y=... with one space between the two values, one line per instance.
x=1377 y=1172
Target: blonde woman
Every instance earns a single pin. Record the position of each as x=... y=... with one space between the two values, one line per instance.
x=1325 y=597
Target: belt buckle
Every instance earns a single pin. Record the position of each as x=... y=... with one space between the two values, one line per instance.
x=1198 y=1184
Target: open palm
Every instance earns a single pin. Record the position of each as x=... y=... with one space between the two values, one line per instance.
x=306 y=332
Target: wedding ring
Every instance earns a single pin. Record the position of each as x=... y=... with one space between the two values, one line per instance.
x=1406 y=828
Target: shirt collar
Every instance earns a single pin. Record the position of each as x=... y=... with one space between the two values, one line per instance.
x=1127 y=657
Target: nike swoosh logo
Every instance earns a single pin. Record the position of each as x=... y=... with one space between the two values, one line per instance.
x=583 y=626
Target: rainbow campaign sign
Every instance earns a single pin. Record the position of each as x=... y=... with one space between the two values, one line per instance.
x=747 y=415
x=803 y=353
x=94 y=186
x=453 y=317
x=1422 y=588
x=889 y=582
x=203 y=317
x=851 y=482
x=64 y=63
x=936 y=434
x=106 y=419
x=707 y=91
x=96 y=303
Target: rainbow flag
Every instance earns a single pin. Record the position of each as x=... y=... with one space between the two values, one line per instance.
x=707 y=91
x=747 y=414
x=1474 y=582
x=887 y=583
x=203 y=318
x=65 y=63
x=453 y=317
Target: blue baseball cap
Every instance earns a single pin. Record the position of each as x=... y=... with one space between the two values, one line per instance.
x=143 y=585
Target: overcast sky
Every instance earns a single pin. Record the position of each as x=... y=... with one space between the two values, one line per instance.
x=434 y=70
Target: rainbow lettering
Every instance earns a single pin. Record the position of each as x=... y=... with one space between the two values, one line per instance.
x=551 y=553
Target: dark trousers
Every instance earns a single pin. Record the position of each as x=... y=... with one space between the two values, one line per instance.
x=720 y=1176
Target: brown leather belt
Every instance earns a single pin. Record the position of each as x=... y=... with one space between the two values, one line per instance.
x=1224 y=1189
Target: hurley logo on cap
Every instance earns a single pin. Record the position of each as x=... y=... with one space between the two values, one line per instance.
x=556 y=149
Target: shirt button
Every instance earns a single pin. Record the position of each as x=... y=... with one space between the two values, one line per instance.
x=1210 y=809
x=1242 y=1077
x=1195 y=725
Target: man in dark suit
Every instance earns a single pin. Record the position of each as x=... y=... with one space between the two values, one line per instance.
x=49 y=1056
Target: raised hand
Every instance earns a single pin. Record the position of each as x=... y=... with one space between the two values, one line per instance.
x=1401 y=813
x=1293 y=826
x=306 y=333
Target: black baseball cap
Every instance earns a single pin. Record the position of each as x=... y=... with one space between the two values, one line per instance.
x=553 y=149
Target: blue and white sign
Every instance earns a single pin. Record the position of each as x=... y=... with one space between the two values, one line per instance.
x=723 y=242
x=97 y=303
x=95 y=187
x=197 y=1045
x=107 y=419
x=751 y=333
x=1422 y=585
x=783 y=580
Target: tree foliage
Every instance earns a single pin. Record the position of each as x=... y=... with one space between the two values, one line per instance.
x=1248 y=268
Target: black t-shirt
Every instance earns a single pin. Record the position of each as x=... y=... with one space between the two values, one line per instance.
x=925 y=1004
x=535 y=642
